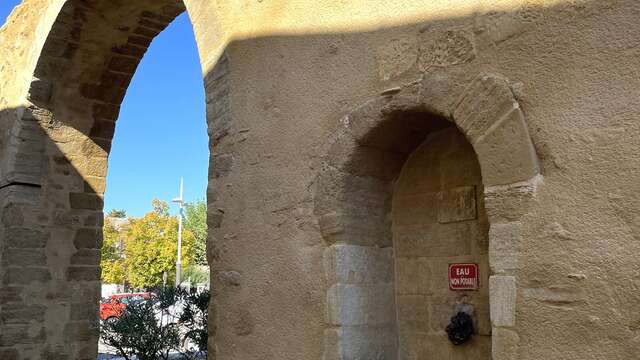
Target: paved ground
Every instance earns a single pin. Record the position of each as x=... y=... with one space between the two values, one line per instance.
x=114 y=357
x=106 y=353
x=106 y=357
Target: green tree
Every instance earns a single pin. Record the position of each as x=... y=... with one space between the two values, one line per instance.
x=151 y=246
x=195 y=220
x=160 y=207
x=117 y=213
x=197 y=274
x=113 y=266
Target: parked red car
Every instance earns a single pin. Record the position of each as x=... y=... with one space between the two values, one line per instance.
x=114 y=305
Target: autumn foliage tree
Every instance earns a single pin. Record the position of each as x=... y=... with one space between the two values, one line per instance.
x=149 y=249
x=195 y=220
x=113 y=266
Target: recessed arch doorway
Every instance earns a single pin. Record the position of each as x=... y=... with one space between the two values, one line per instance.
x=438 y=219
x=461 y=201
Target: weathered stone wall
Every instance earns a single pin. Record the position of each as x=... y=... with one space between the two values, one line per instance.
x=297 y=93
x=291 y=91
x=438 y=219
x=55 y=163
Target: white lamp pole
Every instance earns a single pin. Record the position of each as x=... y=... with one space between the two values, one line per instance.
x=180 y=202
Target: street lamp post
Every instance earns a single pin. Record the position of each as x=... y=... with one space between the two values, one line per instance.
x=180 y=202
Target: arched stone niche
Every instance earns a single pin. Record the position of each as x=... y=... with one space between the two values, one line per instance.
x=354 y=197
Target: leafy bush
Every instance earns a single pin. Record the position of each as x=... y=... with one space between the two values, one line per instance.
x=175 y=320
x=195 y=318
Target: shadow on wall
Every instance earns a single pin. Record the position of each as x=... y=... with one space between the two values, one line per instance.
x=50 y=250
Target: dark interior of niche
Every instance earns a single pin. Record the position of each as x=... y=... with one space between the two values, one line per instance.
x=402 y=132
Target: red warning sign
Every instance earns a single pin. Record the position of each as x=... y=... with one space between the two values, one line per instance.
x=463 y=276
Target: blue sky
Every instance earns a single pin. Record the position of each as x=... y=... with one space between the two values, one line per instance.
x=161 y=133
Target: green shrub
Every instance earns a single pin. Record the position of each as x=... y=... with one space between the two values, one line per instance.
x=175 y=320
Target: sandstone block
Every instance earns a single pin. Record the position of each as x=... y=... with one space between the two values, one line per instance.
x=358 y=342
x=504 y=344
x=103 y=129
x=26 y=238
x=332 y=349
x=155 y=24
x=57 y=353
x=21 y=314
x=458 y=204
x=108 y=94
x=413 y=276
x=94 y=184
x=504 y=246
x=59 y=48
x=94 y=219
x=12 y=335
x=502 y=290
x=486 y=101
x=420 y=345
x=123 y=64
x=105 y=111
x=356 y=305
x=9 y=354
x=84 y=273
x=95 y=161
x=331 y=226
x=84 y=201
x=86 y=257
x=396 y=57
x=441 y=308
x=479 y=347
x=81 y=331
x=93 y=166
x=351 y=264
x=66 y=218
x=88 y=238
x=353 y=209
x=506 y=153
x=24 y=257
x=440 y=90
x=25 y=275
x=139 y=40
x=158 y=17
x=413 y=313
x=83 y=311
x=116 y=80
x=12 y=215
x=413 y=209
x=509 y=203
x=10 y=294
x=452 y=239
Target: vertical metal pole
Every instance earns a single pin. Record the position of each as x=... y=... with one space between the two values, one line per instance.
x=180 y=202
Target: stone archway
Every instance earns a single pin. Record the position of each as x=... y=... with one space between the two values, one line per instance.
x=53 y=173
x=353 y=202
